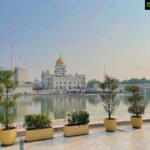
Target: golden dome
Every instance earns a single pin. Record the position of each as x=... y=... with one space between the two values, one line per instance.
x=60 y=61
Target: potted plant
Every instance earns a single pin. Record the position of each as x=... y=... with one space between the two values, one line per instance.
x=38 y=127
x=136 y=107
x=77 y=124
x=108 y=95
x=7 y=103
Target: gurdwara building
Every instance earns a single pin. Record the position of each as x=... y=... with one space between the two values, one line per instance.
x=60 y=80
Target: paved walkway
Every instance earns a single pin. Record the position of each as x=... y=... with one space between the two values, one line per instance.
x=59 y=123
x=125 y=138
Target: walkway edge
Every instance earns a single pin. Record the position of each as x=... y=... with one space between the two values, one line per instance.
x=92 y=125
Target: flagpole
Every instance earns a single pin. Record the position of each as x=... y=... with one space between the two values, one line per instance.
x=12 y=46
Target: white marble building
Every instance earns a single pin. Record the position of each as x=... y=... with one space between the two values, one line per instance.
x=60 y=80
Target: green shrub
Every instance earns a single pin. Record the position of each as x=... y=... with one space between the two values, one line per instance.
x=37 y=121
x=136 y=106
x=138 y=110
x=7 y=99
x=78 y=118
x=108 y=95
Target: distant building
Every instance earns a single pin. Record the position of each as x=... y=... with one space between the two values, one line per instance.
x=20 y=75
x=60 y=80
x=23 y=89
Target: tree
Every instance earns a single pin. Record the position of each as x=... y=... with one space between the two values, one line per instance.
x=5 y=74
x=135 y=81
x=91 y=83
x=108 y=95
x=136 y=106
x=7 y=98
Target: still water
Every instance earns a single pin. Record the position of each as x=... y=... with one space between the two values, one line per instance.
x=58 y=106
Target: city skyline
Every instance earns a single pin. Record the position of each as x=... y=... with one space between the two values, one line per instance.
x=88 y=34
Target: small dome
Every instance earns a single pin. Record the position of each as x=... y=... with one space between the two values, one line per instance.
x=60 y=61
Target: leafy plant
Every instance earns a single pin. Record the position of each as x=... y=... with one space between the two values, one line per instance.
x=91 y=83
x=136 y=106
x=5 y=75
x=108 y=95
x=37 y=121
x=7 y=98
x=78 y=118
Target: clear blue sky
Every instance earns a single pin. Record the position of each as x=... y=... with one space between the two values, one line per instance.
x=89 y=34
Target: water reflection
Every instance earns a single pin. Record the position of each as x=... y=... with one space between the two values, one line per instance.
x=94 y=99
x=57 y=106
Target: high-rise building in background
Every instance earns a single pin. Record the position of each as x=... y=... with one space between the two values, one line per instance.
x=20 y=74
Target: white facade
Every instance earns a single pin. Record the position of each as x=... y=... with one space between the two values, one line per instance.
x=23 y=89
x=60 y=80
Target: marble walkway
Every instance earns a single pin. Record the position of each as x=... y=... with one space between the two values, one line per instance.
x=59 y=123
x=125 y=138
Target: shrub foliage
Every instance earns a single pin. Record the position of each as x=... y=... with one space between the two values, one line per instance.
x=37 y=121
x=108 y=95
x=136 y=106
x=78 y=118
x=7 y=98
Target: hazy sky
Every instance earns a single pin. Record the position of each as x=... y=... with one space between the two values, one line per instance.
x=89 y=34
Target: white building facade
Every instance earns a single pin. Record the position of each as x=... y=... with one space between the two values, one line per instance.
x=24 y=89
x=60 y=80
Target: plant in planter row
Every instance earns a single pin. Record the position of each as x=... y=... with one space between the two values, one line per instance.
x=136 y=105
x=38 y=127
x=77 y=124
x=7 y=104
x=108 y=95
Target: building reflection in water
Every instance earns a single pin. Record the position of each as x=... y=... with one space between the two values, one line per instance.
x=94 y=99
x=58 y=106
x=22 y=106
